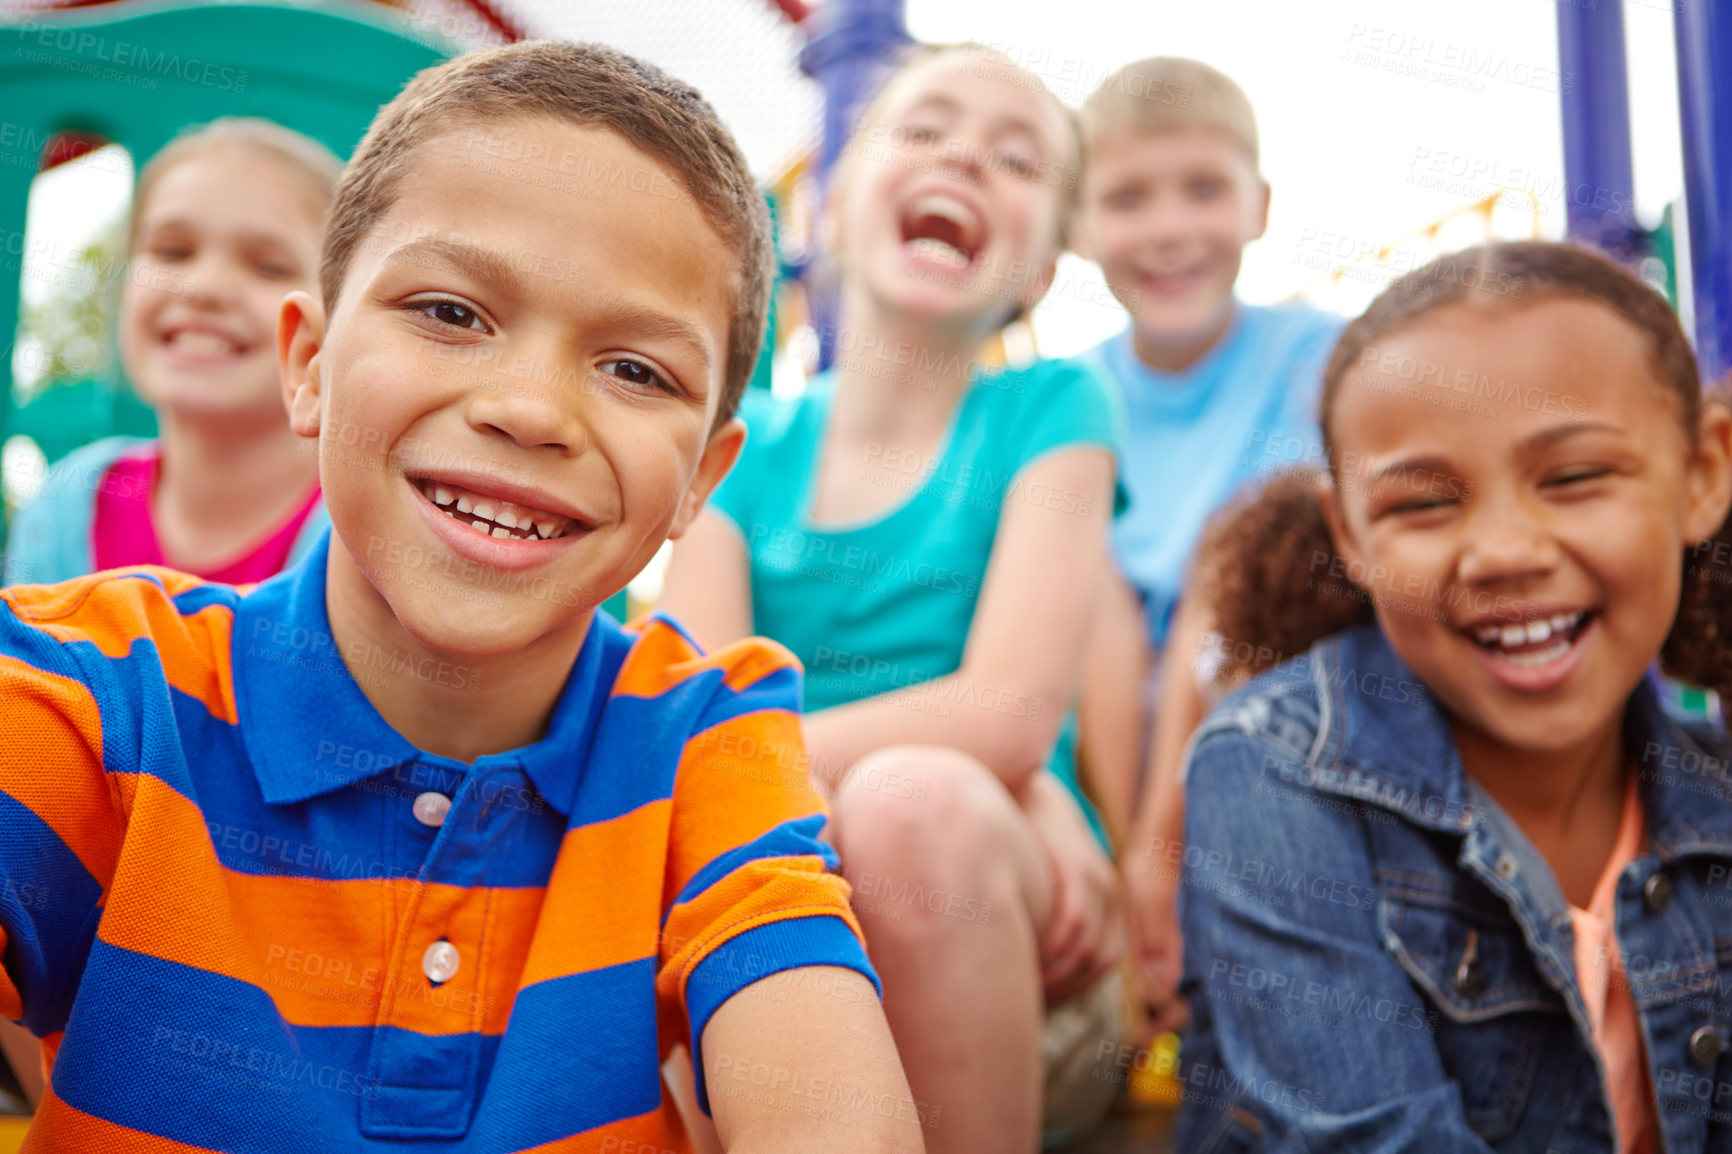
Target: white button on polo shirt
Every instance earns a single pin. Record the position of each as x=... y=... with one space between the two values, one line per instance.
x=431 y=808
x=440 y=962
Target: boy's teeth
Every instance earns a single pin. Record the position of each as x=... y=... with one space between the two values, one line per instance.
x=1512 y=635
x=1538 y=631
x=509 y=521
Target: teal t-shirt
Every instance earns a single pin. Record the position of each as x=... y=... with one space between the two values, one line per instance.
x=886 y=603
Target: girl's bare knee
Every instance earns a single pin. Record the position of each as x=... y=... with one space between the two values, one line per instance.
x=932 y=816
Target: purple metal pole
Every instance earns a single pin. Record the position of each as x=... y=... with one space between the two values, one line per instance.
x=1704 y=30
x=850 y=50
x=1594 y=95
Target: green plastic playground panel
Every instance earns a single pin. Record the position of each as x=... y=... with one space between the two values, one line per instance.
x=137 y=75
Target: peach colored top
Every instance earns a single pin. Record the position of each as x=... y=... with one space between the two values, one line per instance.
x=1600 y=972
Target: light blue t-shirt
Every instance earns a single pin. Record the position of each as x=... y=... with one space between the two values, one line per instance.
x=1246 y=410
x=886 y=603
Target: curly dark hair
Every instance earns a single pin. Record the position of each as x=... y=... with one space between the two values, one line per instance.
x=1264 y=562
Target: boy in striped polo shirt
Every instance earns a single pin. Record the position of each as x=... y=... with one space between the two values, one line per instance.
x=409 y=847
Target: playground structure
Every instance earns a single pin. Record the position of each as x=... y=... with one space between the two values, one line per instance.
x=323 y=68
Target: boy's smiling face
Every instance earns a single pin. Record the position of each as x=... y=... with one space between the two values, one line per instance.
x=516 y=341
x=1167 y=216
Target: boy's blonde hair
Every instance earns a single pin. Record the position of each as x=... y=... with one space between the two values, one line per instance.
x=588 y=86
x=1170 y=94
x=304 y=156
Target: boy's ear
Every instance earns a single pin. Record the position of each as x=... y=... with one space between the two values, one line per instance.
x=1259 y=208
x=719 y=456
x=1710 y=475
x=300 y=337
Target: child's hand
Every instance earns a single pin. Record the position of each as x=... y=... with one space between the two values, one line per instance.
x=1084 y=936
x=1157 y=947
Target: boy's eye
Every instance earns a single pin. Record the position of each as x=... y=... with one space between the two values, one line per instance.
x=274 y=270
x=450 y=312
x=1124 y=199
x=637 y=374
x=1208 y=188
x=921 y=134
x=170 y=251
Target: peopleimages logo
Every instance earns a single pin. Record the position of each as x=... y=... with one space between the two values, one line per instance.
x=131 y=63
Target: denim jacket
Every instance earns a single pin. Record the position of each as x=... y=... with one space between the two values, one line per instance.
x=1378 y=959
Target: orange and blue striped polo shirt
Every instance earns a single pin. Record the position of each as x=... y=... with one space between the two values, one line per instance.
x=244 y=914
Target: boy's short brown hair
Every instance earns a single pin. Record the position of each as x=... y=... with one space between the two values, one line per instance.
x=1170 y=94
x=590 y=86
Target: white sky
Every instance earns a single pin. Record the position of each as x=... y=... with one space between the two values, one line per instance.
x=1351 y=137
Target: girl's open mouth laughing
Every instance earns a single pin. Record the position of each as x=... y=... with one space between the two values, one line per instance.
x=942 y=230
x=1536 y=653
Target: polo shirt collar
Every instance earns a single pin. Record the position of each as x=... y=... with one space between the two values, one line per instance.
x=310 y=730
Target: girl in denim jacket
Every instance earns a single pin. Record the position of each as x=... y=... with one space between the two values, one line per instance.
x=1452 y=879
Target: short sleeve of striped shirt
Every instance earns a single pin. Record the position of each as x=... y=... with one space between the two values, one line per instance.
x=750 y=890
x=62 y=816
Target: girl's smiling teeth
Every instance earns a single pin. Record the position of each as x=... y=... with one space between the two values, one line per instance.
x=492 y=517
x=1532 y=643
x=202 y=342
x=941 y=227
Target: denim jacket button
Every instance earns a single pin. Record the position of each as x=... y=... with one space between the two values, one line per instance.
x=1506 y=867
x=1705 y=1046
x=1657 y=893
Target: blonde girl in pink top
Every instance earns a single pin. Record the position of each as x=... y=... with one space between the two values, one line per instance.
x=227 y=220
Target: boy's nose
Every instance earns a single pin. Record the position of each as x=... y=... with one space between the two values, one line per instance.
x=530 y=422
x=1167 y=219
